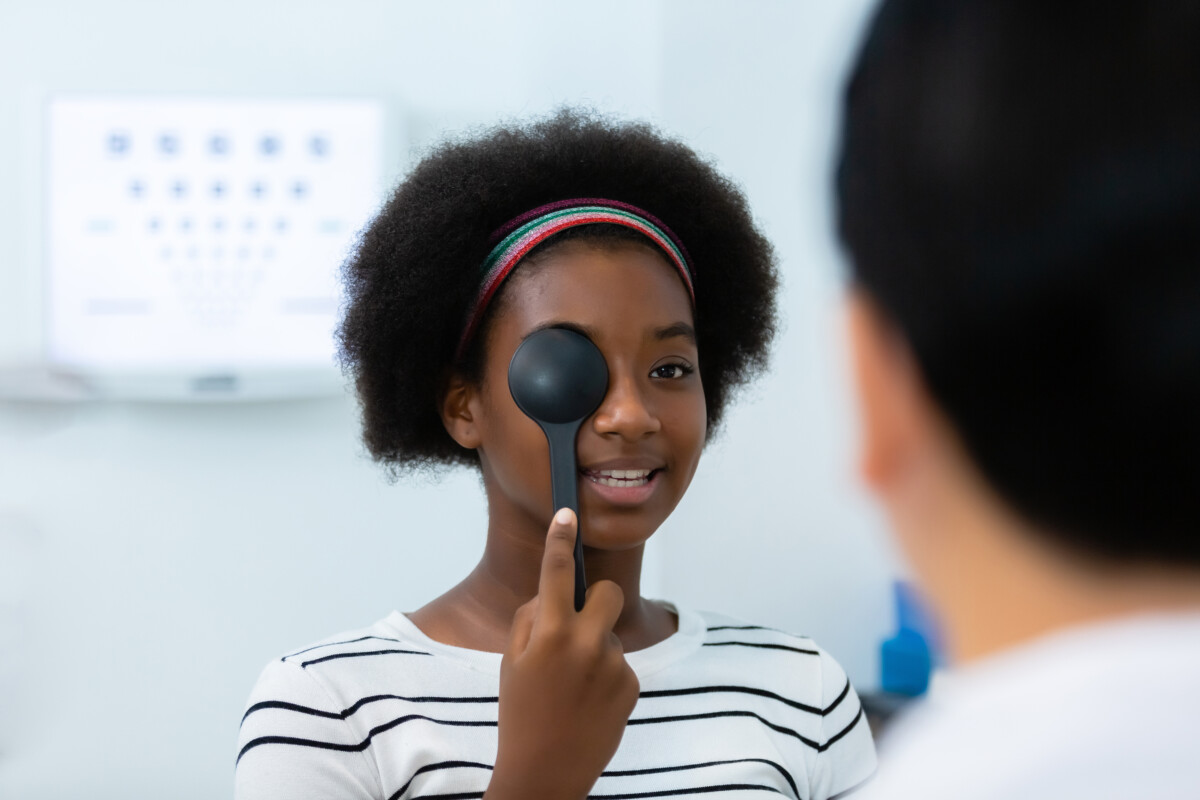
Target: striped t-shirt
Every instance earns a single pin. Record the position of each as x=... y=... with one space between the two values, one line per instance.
x=726 y=709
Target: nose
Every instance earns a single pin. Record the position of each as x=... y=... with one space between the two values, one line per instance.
x=624 y=411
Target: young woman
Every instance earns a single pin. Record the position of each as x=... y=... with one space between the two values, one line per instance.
x=499 y=688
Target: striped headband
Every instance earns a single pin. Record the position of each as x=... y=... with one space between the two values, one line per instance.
x=516 y=238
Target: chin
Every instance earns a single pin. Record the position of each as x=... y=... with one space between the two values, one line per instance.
x=615 y=535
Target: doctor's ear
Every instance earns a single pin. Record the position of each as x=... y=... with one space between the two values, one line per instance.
x=894 y=408
x=459 y=409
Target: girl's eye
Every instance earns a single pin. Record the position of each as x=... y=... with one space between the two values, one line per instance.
x=671 y=371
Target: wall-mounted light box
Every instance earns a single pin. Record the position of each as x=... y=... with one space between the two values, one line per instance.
x=192 y=246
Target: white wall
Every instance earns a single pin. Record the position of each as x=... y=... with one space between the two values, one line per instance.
x=153 y=557
x=775 y=527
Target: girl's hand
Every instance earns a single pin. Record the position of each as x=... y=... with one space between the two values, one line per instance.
x=566 y=691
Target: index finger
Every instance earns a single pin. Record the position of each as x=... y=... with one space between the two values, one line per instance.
x=556 y=584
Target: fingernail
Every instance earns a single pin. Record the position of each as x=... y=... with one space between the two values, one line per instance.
x=563 y=517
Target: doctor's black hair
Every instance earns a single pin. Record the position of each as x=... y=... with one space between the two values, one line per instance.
x=416 y=269
x=1019 y=191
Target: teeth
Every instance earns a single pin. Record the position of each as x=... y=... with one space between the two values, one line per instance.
x=622 y=478
x=625 y=474
x=620 y=483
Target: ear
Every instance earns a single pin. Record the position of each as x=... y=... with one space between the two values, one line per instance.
x=893 y=407
x=459 y=409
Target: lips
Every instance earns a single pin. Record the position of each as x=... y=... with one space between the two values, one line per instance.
x=628 y=481
x=620 y=478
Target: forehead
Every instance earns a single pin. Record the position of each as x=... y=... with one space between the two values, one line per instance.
x=605 y=286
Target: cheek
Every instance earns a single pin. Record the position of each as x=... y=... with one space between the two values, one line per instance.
x=688 y=421
x=520 y=442
x=513 y=443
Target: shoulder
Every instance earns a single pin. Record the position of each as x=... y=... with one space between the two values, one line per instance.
x=343 y=657
x=1029 y=714
x=812 y=683
x=382 y=638
x=337 y=666
x=321 y=674
x=775 y=653
x=306 y=731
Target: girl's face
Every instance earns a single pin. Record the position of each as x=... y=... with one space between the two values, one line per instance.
x=638 y=452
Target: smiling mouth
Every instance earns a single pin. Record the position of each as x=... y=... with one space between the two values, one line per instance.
x=620 y=478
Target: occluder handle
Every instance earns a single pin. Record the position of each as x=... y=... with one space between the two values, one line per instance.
x=564 y=487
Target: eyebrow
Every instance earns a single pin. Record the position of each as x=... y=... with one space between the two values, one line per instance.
x=679 y=329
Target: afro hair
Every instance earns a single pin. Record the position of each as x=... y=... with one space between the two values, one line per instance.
x=416 y=270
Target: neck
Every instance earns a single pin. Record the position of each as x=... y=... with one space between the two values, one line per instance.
x=999 y=582
x=478 y=612
x=507 y=577
x=1026 y=589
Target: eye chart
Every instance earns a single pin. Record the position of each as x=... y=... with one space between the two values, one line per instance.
x=203 y=234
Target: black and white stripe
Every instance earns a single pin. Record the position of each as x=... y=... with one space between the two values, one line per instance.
x=726 y=709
